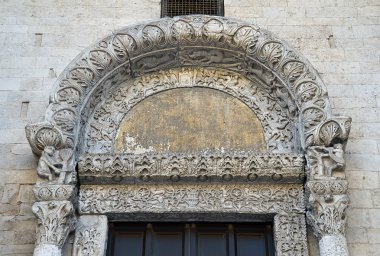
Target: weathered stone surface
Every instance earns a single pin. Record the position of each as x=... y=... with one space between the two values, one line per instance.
x=227 y=166
x=91 y=235
x=293 y=22
x=174 y=199
x=190 y=119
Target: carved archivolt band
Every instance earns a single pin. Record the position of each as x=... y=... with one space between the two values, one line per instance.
x=288 y=97
x=105 y=120
x=193 y=41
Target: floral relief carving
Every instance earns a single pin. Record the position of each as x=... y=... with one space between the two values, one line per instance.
x=148 y=48
x=91 y=236
x=290 y=235
x=243 y=166
x=191 y=198
x=54 y=221
x=100 y=86
x=102 y=130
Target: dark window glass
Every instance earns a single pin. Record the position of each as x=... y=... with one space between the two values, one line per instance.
x=171 y=8
x=181 y=239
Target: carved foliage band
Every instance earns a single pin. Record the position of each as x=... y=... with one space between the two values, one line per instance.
x=191 y=198
x=233 y=166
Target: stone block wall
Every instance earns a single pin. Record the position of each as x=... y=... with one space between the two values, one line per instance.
x=341 y=38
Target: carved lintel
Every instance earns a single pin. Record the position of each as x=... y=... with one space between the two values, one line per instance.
x=45 y=134
x=91 y=236
x=290 y=234
x=327 y=214
x=183 y=168
x=191 y=198
x=55 y=221
x=47 y=192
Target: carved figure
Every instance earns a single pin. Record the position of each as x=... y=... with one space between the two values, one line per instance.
x=328 y=161
x=55 y=165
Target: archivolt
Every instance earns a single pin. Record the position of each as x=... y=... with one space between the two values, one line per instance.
x=200 y=41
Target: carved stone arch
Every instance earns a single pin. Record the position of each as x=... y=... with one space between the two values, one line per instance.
x=193 y=41
x=196 y=43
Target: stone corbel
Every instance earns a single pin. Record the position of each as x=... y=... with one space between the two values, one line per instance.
x=326 y=188
x=334 y=130
x=44 y=134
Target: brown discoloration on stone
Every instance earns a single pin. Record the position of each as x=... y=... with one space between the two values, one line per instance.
x=190 y=119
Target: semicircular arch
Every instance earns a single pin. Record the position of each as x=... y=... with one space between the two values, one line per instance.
x=189 y=41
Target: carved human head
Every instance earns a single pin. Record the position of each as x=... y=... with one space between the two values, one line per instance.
x=49 y=150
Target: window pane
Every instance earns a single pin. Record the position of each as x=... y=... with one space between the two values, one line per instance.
x=212 y=244
x=250 y=245
x=167 y=244
x=129 y=244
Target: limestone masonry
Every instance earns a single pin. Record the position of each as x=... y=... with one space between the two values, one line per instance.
x=341 y=39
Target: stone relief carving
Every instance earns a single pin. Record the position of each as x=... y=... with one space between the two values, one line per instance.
x=56 y=166
x=327 y=214
x=107 y=116
x=191 y=198
x=59 y=192
x=241 y=47
x=328 y=201
x=43 y=135
x=299 y=116
x=290 y=234
x=54 y=221
x=91 y=236
x=327 y=162
x=232 y=166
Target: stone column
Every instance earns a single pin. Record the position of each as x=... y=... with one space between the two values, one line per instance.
x=327 y=199
x=91 y=236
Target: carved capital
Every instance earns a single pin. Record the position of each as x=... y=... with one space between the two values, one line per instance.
x=327 y=214
x=290 y=234
x=55 y=221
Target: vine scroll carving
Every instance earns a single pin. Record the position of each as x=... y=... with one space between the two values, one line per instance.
x=95 y=92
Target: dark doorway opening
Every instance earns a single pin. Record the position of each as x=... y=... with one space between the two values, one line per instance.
x=190 y=239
